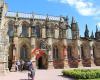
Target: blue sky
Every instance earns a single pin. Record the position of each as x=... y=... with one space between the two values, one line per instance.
x=84 y=11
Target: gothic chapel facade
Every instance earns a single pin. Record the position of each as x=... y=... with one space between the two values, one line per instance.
x=60 y=42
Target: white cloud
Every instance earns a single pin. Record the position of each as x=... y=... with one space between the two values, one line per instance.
x=83 y=7
x=70 y=2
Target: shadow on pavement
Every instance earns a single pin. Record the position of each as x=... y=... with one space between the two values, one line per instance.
x=66 y=77
x=25 y=79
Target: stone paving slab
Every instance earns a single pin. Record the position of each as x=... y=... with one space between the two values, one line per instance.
x=51 y=74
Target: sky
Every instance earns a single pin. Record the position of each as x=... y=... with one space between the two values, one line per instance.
x=84 y=11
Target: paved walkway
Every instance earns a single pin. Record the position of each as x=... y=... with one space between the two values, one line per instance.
x=52 y=74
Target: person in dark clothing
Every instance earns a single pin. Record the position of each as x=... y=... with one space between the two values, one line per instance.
x=31 y=69
x=22 y=64
x=9 y=64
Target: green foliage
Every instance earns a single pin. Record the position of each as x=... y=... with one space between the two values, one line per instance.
x=82 y=73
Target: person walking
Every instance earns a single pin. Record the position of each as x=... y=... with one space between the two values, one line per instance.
x=32 y=71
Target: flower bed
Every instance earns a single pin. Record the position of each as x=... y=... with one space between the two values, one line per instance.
x=82 y=73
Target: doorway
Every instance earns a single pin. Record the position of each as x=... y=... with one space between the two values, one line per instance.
x=24 y=53
x=42 y=62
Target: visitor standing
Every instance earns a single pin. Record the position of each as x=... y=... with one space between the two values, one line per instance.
x=18 y=65
x=22 y=65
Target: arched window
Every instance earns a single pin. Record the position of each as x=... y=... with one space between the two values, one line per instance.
x=55 y=53
x=25 y=28
x=33 y=31
x=82 y=52
x=69 y=49
x=42 y=45
x=37 y=31
x=11 y=28
x=24 y=52
x=86 y=52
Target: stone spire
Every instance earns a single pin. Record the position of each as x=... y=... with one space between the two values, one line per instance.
x=66 y=20
x=73 y=24
x=47 y=19
x=73 y=20
x=86 y=33
x=92 y=35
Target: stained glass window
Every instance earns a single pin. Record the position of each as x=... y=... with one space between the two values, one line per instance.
x=42 y=45
x=33 y=30
x=23 y=53
x=37 y=31
x=24 y=31
x=11 y=29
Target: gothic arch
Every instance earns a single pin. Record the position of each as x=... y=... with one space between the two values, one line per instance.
x=56 y=26
x=38 y=24
x=96 y=53
x=9 y=21
x=11 y=24
x=86 y=50
x=69 y=51
x=61 y=47
x=58 y=54
x=25 y=29
x=25 y=42
x=20 y=22
x=85 y=54
x=25 y=23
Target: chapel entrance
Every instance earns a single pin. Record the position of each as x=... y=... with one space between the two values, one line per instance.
x=24 y=53
x=42 y=62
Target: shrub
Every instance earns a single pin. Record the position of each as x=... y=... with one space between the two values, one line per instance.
x=82 y=73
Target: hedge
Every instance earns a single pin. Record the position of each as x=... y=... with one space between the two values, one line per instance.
x=82 y=74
